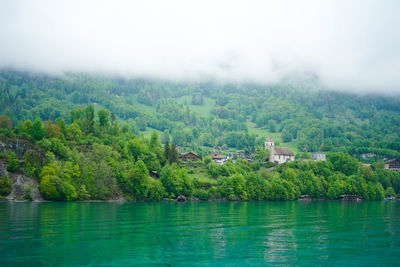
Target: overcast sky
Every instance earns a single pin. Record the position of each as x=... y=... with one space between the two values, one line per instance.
x=349 y=44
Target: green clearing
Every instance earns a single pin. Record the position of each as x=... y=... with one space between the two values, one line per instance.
x=203 y=110
x=149 y=131
x=275 y=136
x=135 y=102
x=200 y=173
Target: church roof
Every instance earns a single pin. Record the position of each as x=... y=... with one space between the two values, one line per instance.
x=283 y=151
x=269 y=139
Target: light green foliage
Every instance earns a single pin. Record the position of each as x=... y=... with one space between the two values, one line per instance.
x=155 y=190
x=258 y=188
x=233 y=187
x=260 y=154
x=200 y=194
x=138 y=180
x=237 y=116
x=56 y=183
x=207 y=160
x=74 y=133
x=389 y=192
x=176 y=181
x=5 y=185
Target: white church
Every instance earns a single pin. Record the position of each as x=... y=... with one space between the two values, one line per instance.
x=278 y=155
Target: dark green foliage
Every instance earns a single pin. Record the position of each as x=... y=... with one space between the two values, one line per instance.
x=5 y=186
x=343 y=162
x=144 y=98
x=5 y=122
x=88 y=120
x=104 y=120
x=37 y=131
x=13 y=164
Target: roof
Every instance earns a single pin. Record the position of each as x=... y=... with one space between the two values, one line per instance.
x=392 y=160
x=283 y=151
x=269 y=139
x=215 y=155
x=188 y=153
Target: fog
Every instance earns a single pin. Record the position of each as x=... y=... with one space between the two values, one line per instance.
x=348 y=45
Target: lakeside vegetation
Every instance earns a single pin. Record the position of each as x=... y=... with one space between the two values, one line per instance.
x=94 y=137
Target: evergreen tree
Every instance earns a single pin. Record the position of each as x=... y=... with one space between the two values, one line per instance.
x=88 y=123
x=167 y=150
x=173 y=154
x=36 y=130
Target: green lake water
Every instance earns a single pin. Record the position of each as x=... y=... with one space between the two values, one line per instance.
x=211 y=234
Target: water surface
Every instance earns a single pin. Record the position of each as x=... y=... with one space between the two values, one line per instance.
x=232 y=233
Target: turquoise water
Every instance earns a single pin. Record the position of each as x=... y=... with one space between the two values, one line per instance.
x=233 y=234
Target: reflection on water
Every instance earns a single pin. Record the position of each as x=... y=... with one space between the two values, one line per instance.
x=232 y=233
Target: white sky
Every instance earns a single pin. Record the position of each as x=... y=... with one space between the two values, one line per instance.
x=351 y=44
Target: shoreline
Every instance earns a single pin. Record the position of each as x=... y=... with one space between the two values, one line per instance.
x=194 y=201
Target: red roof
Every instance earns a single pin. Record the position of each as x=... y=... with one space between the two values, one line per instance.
x=215 y=155
x=283 y=151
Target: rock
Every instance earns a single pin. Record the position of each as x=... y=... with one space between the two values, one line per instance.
x=18 y=188
x=20 y=184
x=181 y=198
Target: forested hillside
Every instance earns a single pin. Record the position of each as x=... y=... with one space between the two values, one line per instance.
x=94 y=137
x=204 y=114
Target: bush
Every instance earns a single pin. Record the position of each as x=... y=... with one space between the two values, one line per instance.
x=28 y=192
x=201 y=194
x=156 y=190
x=5 y=186
x=13 y=163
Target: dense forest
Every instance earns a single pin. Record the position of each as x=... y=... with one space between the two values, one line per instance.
x=97 y=137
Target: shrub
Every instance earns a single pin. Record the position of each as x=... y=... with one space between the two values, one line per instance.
x=28 y=192
x=5 y=186
x=201 y=194
x=13 y=163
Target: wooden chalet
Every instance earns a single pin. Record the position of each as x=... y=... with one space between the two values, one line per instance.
x=393 y=165
x=217 y=158
x=189 y=156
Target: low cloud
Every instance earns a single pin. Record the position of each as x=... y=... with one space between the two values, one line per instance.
x=349 y=45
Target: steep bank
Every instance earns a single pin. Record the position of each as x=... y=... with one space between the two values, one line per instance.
x=22 y=187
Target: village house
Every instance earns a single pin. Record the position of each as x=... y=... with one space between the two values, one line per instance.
x=217 y=158
x=392 y=165
x=189 y=156
x=318 y=156
x=278 y=155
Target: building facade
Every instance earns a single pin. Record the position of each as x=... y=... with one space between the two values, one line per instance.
x=392 y=165
x=318 y=156
x=278 y=155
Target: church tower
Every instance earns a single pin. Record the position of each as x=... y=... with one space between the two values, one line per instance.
x=269 y=144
